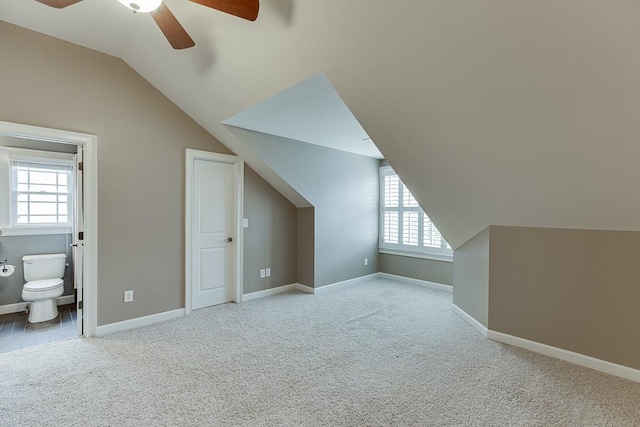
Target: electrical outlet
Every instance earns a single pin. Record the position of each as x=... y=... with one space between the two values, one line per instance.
x=366 y=261
x=245 y=223
x=128 y=296
x=262 y=273
x=268 y=272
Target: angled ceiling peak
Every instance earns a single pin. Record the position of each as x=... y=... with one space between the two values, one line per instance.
x=311 y=111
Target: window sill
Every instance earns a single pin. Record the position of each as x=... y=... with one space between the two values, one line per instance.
x=434 y=257
x=33 y=231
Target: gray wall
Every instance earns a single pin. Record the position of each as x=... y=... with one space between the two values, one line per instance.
x=471 y=277
x=306 y=246
x=417 y=268
x=142 y=137
x=270 y=239
x=343 y=188
x=15 y=247
x=574 y=289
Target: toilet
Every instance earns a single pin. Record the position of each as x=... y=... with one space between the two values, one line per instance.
x=43 y=274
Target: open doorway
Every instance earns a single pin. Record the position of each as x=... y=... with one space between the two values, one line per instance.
x=48 y=227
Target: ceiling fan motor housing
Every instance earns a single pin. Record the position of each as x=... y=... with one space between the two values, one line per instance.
x=167 y=22
x=142 y=5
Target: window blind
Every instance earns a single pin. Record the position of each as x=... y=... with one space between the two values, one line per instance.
x=404 y=226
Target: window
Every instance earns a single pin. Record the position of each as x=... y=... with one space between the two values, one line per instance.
x=404 y=227
x=37 y=192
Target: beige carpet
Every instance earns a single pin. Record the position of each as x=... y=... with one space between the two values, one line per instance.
x=375 y=354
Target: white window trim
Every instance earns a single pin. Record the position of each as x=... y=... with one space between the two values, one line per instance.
x=434 y=257
x=8 y=154
x=419 y=251
x=34 y=231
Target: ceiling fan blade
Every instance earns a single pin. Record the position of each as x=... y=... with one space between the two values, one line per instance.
x=58 y=4
x=171 y=28
x=247 y=9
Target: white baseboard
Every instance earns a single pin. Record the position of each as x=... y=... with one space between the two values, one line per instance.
x=339 y=285
x=22 y=306
x=426 y=283
x=568 y=356
x=304 y=288
x=139 y=321
x=559 y=353
x=470 y=320
x=168 y=315
x=269 y=292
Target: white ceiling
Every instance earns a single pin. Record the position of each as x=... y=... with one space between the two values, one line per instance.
x=103 y=25
x=493 y=112
x=311 y=112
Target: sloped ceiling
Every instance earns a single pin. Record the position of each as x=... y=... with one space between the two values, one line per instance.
x=492 y=112
x=311 y=112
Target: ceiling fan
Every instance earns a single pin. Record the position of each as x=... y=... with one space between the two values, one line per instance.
x=169 y=25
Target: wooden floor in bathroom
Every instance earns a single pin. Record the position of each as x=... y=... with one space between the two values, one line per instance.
x=16 y=332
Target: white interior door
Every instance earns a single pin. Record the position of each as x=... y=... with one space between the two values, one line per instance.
x=78 y=238
x=213 y=225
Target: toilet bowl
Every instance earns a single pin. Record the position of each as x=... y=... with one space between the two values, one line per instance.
x=43 y=274
x=42 y=294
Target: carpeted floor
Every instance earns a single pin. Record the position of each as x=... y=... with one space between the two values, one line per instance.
x=374 y=354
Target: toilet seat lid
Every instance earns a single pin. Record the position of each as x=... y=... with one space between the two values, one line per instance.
x=42 y=285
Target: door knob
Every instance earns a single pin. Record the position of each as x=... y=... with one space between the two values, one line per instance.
x=229 y=239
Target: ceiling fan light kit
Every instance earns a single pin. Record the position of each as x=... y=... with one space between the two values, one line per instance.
x=169 y=25
x=142 y=5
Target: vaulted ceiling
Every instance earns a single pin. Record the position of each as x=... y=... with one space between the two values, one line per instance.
x=493 y=112
x=310 y=112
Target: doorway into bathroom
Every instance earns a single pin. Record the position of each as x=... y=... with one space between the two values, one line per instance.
x=46 y=210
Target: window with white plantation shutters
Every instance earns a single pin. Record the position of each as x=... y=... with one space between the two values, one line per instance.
x=403 y=224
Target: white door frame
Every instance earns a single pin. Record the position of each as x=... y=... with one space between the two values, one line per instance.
x=90 y=261
x=238 y=171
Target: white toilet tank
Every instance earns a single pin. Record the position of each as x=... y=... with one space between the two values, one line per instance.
x=41 y=267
